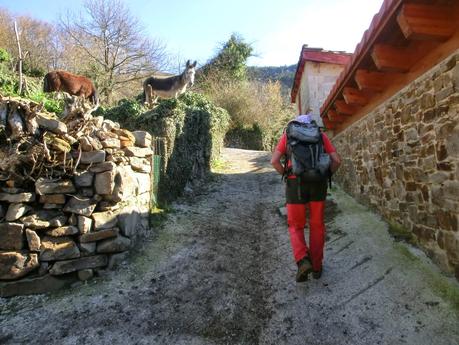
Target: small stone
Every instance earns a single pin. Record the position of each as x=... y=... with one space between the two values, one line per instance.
x=45 y=186
x=52 y=199
x=80 y=205
x=52 y=125
x=88 y=248
x=58 y=248
x=85 y=274
x=73 y=219
x=84 y=224
x=114 y=245
x=105 y=183
x=101 y=167
x=84 y=179
x=117 y=259
x=137 y=151
x=104 y=220
x=87 y=192
x=142 y=138
x=63 y=231
x=67 y=266
x=11 y=236
x=14 y=265
x=17 y=198
x=85 y=144
x=33 y=240
x=99 y=235
x=16 y=211
x=111 y=143
x=92 y=157
x=140 y=164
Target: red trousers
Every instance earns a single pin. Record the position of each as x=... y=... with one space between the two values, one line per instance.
x=296 y=218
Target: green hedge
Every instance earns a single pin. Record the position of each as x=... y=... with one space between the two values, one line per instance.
x=194 y=130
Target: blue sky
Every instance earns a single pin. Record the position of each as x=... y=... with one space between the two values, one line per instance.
x=276 y=29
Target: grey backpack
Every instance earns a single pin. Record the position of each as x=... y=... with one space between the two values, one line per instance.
x=305 y=149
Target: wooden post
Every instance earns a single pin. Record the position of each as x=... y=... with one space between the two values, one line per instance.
x=20 y=58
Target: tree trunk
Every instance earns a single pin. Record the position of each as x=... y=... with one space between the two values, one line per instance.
x=20 y=58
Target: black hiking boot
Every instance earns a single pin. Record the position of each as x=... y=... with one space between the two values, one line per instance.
x=304 y=268
x=317 y=274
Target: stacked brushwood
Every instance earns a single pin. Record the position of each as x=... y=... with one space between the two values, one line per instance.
x=74 y=191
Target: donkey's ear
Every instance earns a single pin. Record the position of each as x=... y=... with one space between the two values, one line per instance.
x=188 y=63
x=194 y=64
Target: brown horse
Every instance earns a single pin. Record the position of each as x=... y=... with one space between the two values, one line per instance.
x=71 y=83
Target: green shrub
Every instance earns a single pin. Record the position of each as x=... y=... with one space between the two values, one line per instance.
x=4 y=56
x=193 y=128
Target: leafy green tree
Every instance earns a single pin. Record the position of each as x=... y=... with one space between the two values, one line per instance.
x=231 y=60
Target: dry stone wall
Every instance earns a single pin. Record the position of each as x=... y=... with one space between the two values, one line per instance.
x=74 y=195
x=403 y=159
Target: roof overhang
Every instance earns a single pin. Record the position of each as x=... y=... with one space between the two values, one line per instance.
x=405 y=39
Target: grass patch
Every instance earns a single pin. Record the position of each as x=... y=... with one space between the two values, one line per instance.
x=399 y=232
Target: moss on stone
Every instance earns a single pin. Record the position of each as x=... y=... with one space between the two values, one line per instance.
x=399 y=232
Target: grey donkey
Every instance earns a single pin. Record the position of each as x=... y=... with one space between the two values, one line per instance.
x=168 y=87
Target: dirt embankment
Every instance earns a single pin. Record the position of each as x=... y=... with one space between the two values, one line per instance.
x=220 y=271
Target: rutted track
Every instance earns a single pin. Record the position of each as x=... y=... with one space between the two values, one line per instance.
x=220 y=271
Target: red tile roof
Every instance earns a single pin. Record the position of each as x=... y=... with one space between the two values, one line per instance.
x=387 y=10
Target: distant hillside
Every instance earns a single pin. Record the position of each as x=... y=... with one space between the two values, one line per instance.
x=285 y=74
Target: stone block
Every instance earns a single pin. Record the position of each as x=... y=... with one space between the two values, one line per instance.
x=36 y=285
x=80 y=205
x=85 y=144
x=67 y=266
x=11 y=236
x=85 y=274
x=17 y=198
x=84 y=179
x=142 y=138
x=33 y=240
x=88 y=248
x=52 y=125
x=140 y=164
x=92 y=157
x=128 y=220
x=111 y=143
x=104 y=220
x=58 y=199
x=105 y=183
x=114 y=245
x=117 y=259
x=58 y=248
x=16 y=211
x=99 y=235
x=144 y=182
x=68 y=230
x=84 y=224
x=45 y=186
x=137 y=152
x=14 y=265
x=101 y=167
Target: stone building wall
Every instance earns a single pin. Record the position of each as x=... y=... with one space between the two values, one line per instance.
x=74 y=196
x=403 y=159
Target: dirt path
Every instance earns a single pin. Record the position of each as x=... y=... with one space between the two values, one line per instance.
x=220 y=271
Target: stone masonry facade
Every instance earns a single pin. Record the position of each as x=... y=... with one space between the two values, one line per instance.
x=402 y=158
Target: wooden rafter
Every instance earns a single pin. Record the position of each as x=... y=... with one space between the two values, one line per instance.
x=328 y=124
x=334 y=116
x=392 y=58
x=426 y=22
x=343 y=108
x=354 y=96
x=372 y=80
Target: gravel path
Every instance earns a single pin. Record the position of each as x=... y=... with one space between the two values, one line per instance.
x=220 y=271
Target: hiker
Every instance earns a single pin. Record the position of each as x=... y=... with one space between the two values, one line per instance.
x=304 y=188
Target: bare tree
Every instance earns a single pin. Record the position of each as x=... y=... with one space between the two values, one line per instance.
x=111 y=44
